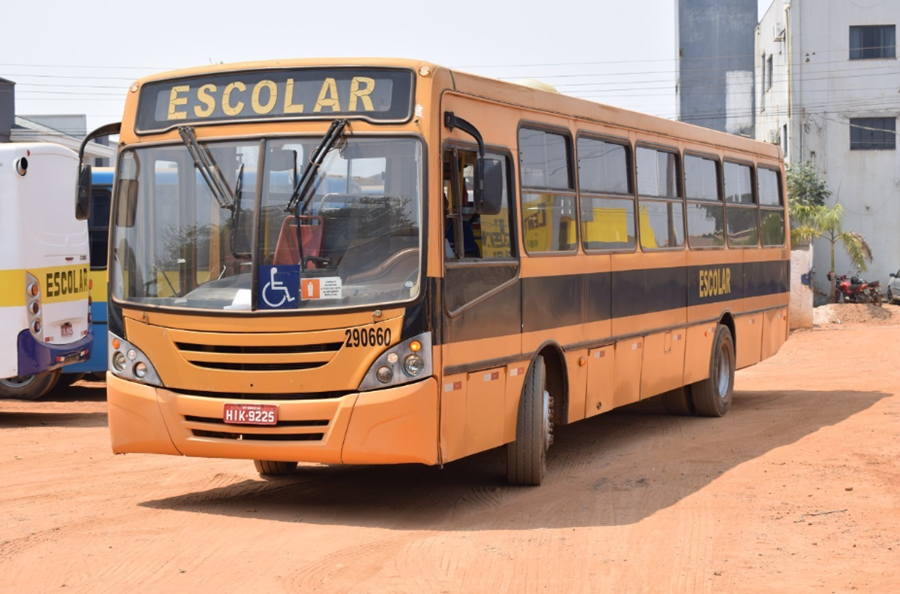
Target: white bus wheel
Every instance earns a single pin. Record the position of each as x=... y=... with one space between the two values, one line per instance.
x=712 y=396
x=29 y=387
x=526 y=457
x=274 y=468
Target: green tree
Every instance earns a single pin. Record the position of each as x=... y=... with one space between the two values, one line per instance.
x=804 y=186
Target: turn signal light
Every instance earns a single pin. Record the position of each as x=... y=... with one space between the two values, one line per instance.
x=415 y=346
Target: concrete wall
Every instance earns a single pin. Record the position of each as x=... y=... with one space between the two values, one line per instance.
x=801 y=293
x=715 y=44
x=826 y=90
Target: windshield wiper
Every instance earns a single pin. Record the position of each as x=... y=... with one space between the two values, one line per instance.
x=299 y=196
x=210 y=171
x=236 y=213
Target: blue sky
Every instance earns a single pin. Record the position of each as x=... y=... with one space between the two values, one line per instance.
x=69 y=57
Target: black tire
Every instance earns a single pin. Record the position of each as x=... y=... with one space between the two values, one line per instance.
x=712 y=396
x=890 y=295
x=274 y=467
x=526 y=457
x=678 y=402
x=29 y=387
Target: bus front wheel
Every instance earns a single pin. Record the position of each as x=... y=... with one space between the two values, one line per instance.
x=712 y=396
x=29 y=387
x=526 y=457
x=274 y=467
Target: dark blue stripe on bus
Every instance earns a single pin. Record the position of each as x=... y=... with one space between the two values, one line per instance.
x=557 y=301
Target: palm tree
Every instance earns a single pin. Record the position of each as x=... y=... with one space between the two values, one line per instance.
x=821 y=221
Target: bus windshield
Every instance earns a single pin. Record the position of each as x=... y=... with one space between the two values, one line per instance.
x=354 y=240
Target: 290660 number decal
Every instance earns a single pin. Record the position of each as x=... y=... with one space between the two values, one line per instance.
x=365 y=337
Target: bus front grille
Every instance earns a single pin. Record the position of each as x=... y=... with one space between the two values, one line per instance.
x=333 y=395
x=305 y=430
x=255 y=353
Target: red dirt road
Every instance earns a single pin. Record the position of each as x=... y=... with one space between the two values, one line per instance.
x=797 y=489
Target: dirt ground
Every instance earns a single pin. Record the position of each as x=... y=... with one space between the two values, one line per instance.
x=797 y=489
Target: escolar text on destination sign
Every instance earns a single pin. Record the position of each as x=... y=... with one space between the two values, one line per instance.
x=377 y=94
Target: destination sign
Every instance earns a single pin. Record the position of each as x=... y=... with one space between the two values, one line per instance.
x=309 y=93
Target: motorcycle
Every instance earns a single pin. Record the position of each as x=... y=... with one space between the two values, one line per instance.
x=852 y=289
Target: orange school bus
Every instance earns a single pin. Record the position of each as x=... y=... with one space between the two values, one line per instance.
x=387 y=261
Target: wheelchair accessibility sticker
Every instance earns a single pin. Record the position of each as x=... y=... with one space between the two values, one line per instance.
x=279 y=286
x=325 y=287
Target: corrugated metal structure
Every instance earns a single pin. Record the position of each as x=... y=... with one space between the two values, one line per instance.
x=7 y=108
x=715 y=44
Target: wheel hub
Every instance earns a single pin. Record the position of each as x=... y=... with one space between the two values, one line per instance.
x=20 y=381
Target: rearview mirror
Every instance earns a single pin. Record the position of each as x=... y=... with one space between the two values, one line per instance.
x=488 y=186
x=83 y=193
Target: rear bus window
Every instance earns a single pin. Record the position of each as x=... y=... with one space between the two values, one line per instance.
x=771 y=207
x=548 y=197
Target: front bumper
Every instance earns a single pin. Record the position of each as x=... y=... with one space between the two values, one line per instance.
x=37 y=357
x=390 y=426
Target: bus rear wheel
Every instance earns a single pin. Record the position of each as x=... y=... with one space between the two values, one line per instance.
x=712 y=396
x=526 y=457
x=274 y=467
x=29 y=387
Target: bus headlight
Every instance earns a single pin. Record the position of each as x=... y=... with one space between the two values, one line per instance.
x=129 y=362
x=413 y=365
x=384 y=374
x=406 y=362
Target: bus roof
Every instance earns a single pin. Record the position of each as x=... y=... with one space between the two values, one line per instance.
x=519 y=95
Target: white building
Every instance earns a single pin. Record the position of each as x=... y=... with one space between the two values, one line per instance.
x=827 y=80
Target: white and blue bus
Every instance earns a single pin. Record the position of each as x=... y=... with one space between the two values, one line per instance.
x=45 y=283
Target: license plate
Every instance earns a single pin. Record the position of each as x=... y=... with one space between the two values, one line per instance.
x=250 y=414
x=67 y=329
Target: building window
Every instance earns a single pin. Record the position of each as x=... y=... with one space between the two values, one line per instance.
x=764 y=84
x=871 y=42
x=770 y=70
x=873 y=134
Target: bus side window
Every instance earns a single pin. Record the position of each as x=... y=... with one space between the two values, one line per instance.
x=771 y=207
x=480 y=236
x=660 y=204
x=741 y=216
x=471 y=237
x=705 y=208
x=548 y=192
x=98 y=227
